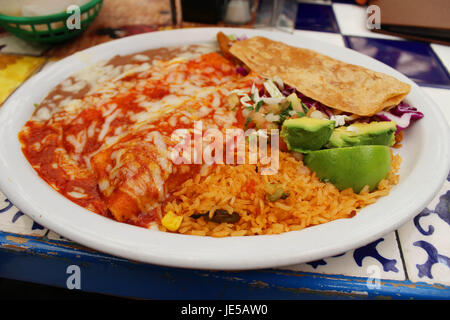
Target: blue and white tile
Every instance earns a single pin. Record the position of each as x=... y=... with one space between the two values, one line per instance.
x=443 y=53
x=417 y=60
x=379 y=259
x=15 y=221
x=352 y=21
x=425 y=242
x=51 y=235
x=316 y=17
x=328 y=37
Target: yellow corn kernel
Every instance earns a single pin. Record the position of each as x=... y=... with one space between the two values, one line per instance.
x=171 y=221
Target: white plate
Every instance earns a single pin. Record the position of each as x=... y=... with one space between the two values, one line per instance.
x=425 y=154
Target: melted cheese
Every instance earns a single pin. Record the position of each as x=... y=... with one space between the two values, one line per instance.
x=78 y=141
x=119 y=130
x=106 y=125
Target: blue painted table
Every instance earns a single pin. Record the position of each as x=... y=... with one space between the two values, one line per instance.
x=411 y=262
x=51 y=262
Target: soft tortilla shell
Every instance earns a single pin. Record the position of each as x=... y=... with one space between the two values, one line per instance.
x=336 y=84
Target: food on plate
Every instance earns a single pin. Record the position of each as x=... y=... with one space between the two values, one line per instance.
x=351 y=167
x=187 y=139
x=373 y=133
x=334 y=83
x=306 y=134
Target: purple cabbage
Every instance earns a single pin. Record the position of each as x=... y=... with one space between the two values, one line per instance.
x=288 y=90
x=241 y=37
x=308 y=102
x=319 y=106
x=262 y=92
x=242 y=71
x=403 y=115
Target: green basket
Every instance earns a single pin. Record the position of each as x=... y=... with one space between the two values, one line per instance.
x=50 y=28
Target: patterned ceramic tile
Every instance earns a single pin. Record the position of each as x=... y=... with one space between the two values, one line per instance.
x=51 y=235
x=15 y=221
x=328 y=37
x=414 y=59
x=352 y=21
x=443 y=53
x=425 y=243
x=317 y=17
x=380 y=259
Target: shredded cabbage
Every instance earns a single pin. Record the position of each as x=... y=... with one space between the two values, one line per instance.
x=242 y=71
x=402 y=114
x=272 y=89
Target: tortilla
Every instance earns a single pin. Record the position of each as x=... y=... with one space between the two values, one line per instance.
x=334 y=83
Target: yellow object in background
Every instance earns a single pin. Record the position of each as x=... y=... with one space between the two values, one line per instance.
x=14 y=70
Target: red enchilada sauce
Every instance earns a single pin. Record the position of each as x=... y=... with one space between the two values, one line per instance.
x=98 y=152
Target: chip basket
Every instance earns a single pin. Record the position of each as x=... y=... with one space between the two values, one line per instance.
x=51 y=28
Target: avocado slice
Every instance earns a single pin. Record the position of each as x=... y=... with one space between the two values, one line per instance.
x=351 y=167
x=373 y=133
x=306 y=134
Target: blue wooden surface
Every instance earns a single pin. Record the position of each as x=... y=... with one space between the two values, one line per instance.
x=44 y=261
